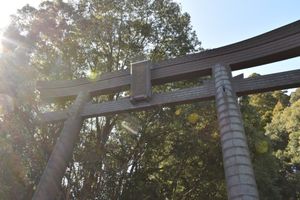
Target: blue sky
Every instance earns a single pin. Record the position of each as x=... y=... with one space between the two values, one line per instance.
x=221 y=22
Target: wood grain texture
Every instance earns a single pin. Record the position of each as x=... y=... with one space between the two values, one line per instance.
x=140 y=86
x=61 y=155
x=242 y=86
x=239 y=173
x=276 y=45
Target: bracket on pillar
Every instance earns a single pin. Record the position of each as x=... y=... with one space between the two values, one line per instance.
x=140 y=81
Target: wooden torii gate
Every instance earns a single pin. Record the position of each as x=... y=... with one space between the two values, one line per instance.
x=279 y=44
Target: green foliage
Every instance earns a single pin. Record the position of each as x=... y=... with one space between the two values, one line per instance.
x=285 y=135
x=166 y=153
x=71 y=40
x=264 y=103
x=265 y=165
x=181 y=160
x=284 y=132
x=295 y=96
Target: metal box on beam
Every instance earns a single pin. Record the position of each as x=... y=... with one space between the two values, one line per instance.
x=140 y=81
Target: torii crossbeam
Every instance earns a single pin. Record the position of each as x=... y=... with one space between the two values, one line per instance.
x=279 y=44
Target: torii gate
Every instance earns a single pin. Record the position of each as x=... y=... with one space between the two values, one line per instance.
x=279 y=44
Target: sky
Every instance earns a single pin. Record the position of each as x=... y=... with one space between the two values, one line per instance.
x=222 y=22
x=219 y=22
x=10 y=7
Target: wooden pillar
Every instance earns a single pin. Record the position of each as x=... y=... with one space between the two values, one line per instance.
x=50 y=181
x=240 y=180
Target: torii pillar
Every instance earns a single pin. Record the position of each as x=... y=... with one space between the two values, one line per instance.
x=240 y=180
x=61 y=155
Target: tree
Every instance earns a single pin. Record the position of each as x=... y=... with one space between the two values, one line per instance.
x=72 y=40
x=167 y=153
x=265 y=165
x=295 y=96
x=284 y=134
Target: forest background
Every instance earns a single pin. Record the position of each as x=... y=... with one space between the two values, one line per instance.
x=165 y=153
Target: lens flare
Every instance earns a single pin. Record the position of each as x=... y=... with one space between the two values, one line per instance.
x=5 y=39
x=6 y=104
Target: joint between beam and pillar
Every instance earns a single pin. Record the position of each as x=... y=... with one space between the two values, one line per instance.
x=222 y=95
x=222 y=101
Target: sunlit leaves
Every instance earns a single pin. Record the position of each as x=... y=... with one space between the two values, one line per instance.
x=193 y=118
x=284 y=130
x=164 y=153
x=178 y=111
x=262 y=146
x=93 y=75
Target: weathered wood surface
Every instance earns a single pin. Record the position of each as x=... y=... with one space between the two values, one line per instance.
x=50 y=182
x=242 y=86
x=279 y=44
x=140 y=86
x=239 y=173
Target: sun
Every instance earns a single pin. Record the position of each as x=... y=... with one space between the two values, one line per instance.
x=8 y=8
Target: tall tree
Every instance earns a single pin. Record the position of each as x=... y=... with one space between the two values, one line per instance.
x=80 y=39
x=284 y=133
x=166 y=153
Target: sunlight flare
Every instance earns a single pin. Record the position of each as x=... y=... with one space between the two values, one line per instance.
x=6 y=104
